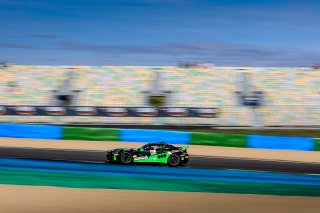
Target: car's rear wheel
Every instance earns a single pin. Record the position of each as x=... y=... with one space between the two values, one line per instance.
x=126 y=157
x=174 y=160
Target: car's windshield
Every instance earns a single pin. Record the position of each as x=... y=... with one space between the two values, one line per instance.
x=169 y=147
x=151 y=146
x=146 y=146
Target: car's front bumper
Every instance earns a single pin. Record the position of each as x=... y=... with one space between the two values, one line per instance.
x=109 y=157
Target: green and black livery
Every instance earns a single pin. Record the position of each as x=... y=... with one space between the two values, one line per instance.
x=159 y=152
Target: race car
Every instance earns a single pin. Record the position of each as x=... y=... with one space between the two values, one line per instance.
x=159 y=152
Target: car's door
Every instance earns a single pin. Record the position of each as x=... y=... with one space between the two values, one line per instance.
x=152 y=150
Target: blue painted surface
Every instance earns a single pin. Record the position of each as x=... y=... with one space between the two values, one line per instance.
x=30 y=131
x=159 y=172
x=280 y=142
x=140 y=135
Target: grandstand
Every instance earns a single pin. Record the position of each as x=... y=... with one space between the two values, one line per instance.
x=253 y=96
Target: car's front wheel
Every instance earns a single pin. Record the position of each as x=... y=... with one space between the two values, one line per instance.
x=174 y=160
x=126 y=157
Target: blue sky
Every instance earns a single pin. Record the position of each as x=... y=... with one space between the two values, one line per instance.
x=160 y=32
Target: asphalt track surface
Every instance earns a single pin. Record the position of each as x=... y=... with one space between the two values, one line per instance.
x=194 y=162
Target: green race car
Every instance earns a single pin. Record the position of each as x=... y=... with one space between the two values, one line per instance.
x=150 y=153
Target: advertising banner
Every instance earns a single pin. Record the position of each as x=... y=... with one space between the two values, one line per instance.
x=109 y=111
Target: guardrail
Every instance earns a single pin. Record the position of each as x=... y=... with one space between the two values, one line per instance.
x=174 y=137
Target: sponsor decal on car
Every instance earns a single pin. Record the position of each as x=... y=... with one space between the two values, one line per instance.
x=142 y=157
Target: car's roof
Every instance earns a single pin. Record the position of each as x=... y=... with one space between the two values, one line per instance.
x=157 y=143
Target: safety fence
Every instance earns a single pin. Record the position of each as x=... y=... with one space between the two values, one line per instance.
x=174 y=137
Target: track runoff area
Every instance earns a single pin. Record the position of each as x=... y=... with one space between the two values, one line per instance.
x=98 y=157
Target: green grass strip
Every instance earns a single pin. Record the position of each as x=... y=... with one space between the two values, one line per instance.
x=94 y=134
x=211 y=139
x=317 y=144
x=73 y=180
